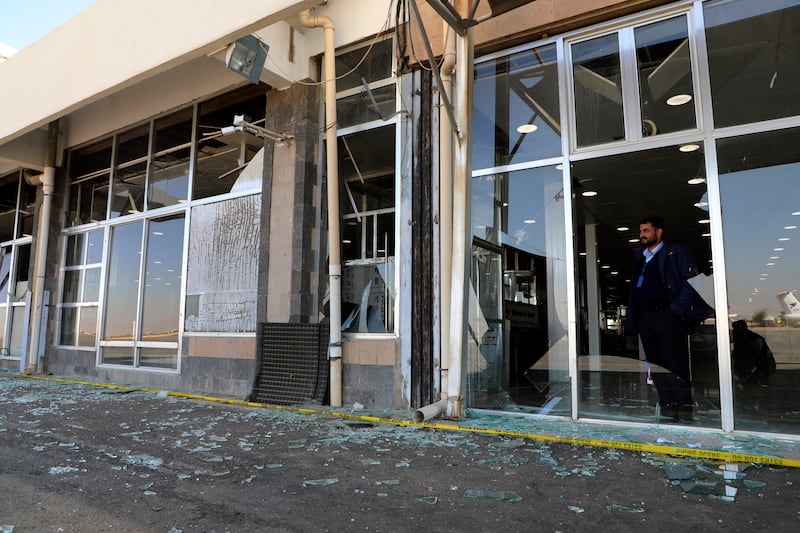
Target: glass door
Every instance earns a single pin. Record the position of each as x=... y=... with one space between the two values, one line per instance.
x=647 y=346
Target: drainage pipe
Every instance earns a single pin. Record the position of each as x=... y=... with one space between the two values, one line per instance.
x=332 y=170
x=461 y=232
x=48 y=182
x=446 y=203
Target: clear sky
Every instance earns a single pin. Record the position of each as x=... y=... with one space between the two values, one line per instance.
x=24 y=21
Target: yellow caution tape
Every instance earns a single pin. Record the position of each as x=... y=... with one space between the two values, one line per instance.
x=722 y=456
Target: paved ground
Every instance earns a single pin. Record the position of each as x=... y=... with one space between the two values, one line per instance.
x=83 y=458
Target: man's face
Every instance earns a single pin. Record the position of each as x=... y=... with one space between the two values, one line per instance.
x=649 y=236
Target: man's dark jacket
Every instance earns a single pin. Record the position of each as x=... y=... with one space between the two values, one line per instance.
x=677 y=264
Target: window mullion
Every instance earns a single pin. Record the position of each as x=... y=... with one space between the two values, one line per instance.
x=631 y=102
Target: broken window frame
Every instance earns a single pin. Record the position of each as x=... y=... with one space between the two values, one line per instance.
x=385 y=266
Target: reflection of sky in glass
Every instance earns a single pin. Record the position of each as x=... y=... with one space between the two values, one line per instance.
x=531 y=199
x=162 y=279
x=758 y=204
x=123 y=281
x=482 y=209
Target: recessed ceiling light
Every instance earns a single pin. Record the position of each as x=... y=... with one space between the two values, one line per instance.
x=623 y=228
x=796 y=213
x=529 y=221
x=784 y=239
x=582 y=254
x=560 y=166
x=696 y=181
x=527 y=128
x=704 y=221
x=790 y=227
x=589 y=193
x=774 y=257
x=614 y=272
x=701 y=204
x=347 y=241
x=770 y=264
x=679 y=99
x=505 y=204
x=689 y=147
x=605 y=266
x=633 y=240
x=777 y=249
x=706 y=235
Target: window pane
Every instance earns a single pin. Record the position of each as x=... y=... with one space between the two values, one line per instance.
x=762 y=251
x=665 y=77
x=122 y=292
x=72 y=279
x=87 y=332
x=169 y=179
x=94 y=253
x=351 y=239
x=368 y=298
x=133 y=144
x=161 y=305
x=91 y=159
x=118 y=355
x=598 y=91
x=518 y=350
x=615 y=317
x=18 y=316
x=753 y=50
x=5 y=268
x=68 y=317
x=74 y=250
x=88 y=200
x=358 y=108
x=21 y=279
x=8 y=208
x=27 y=207
x=385 y=235
x=173 y=131
x=221 y=159
x=377 y=65
x=486 y=212
x=3 y=310
x=127 y=195
x=91 y=285
x=158 y=358
x=516 y=108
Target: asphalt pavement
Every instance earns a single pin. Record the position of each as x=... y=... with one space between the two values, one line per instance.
x=82 y=457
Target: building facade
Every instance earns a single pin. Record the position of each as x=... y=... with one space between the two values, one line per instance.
x=166 y=223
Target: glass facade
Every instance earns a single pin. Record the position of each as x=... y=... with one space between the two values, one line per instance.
x=644 y=135
x=17 y=207
x=125 y=232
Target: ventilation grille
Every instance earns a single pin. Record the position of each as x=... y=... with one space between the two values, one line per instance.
x=294 y=364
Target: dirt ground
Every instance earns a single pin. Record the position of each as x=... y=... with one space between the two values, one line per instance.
x=83 y=458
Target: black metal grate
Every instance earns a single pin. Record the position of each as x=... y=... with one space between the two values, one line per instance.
x=294 y=364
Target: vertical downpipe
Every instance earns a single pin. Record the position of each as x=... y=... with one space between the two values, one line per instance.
x=332 y=170
x=48 y=180
x=446 y=203
x=461 y=233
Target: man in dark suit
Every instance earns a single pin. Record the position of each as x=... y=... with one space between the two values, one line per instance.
x=661 y=306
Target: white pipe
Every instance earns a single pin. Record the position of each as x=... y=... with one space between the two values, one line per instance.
x=461 y=232
x=446 y=203
x=332 y=168
x=429 y=411
x=48 y=181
